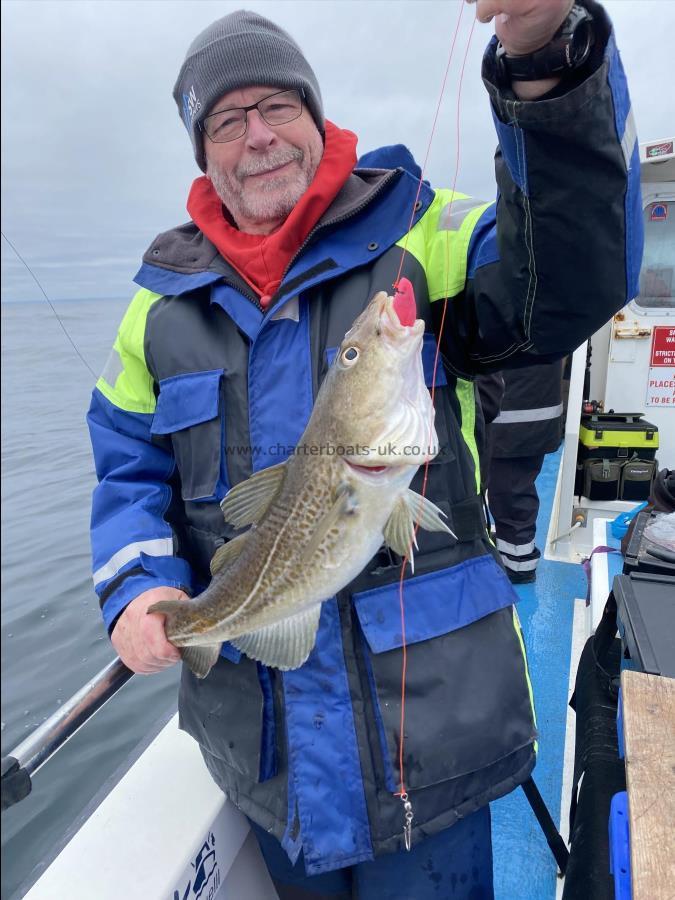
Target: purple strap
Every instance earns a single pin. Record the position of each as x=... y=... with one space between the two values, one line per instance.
x=586 y=566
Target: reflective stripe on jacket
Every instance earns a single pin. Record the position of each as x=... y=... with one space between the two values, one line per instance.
x=530 y=419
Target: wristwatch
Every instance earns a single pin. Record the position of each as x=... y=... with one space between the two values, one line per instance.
x=567 y=50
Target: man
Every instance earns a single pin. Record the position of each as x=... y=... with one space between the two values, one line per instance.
x=217 y=364
x=528 y=426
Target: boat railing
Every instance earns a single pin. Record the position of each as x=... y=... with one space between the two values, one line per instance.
x=26 y=758
x=35 y=750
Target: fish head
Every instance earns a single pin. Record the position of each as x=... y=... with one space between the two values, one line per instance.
x=375 y=393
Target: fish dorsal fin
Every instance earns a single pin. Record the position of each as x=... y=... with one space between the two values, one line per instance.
x=228 y=553
x=285 y=645
x=200 y=660
x=399 y=532
x=249 y=500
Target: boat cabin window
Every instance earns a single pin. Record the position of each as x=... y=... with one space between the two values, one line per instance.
x=656 y=276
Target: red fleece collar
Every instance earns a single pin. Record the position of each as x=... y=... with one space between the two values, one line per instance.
x=262 y=259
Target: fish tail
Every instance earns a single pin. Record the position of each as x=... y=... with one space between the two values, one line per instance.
x=168 y=607
x=199 y=659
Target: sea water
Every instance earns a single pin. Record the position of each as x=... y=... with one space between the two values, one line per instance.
x=53 y=637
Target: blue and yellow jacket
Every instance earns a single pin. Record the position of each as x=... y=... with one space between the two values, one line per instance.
x=202 y=388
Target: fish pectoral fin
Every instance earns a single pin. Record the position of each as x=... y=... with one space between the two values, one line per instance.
x=399 y=532
x=200 y=660
x=427 y=513
x=227 y=554
x=409 y=510
x=284 y=645
x=248 y=501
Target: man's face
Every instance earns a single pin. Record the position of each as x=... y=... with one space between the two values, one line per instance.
x=262 y=175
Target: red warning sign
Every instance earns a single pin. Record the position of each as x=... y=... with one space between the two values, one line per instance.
x=663 y=346
x=659 y=212
x=662 y=149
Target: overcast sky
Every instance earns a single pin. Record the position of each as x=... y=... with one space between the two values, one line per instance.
x=95 y=160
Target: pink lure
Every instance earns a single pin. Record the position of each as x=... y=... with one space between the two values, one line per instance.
x=404 y=302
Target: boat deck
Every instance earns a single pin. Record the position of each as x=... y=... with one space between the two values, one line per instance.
x=552 y=615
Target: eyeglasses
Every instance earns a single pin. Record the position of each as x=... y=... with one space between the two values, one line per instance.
x=230 y=124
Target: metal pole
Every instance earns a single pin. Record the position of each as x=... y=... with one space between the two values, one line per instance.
x=38 y=747
x=569 y=459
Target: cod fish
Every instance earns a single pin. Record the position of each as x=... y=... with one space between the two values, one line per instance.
x=319 y=517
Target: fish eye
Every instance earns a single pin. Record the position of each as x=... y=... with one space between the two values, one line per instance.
x=350 y=355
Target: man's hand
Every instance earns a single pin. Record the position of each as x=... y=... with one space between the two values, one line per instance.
x=524 y=26
x=139 y=638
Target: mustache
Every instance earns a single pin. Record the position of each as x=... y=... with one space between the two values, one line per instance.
x=273 y=160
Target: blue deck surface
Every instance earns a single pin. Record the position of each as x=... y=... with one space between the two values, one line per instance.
x=524 y=868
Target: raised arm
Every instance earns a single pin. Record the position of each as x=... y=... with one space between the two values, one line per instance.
x=560 y=251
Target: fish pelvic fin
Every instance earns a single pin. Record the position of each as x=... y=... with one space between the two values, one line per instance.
x=227 y=554
x=249 y=500
x=200 y=660
x=284 y=645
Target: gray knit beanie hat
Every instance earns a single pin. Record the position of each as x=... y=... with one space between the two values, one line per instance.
x=240 y=50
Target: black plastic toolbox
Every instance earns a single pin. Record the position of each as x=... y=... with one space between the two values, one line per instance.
x=645 y=609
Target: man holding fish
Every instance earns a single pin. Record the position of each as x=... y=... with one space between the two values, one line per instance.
x=302 y=308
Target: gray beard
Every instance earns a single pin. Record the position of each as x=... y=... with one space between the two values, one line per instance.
x=272 y=200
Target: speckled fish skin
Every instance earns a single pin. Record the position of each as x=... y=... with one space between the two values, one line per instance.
x=329 y=508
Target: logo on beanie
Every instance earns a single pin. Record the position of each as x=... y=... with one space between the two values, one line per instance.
x=191 y=105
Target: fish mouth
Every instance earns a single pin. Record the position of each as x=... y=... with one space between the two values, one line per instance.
x=393 y=318
x=398 y=321
x=372 y=470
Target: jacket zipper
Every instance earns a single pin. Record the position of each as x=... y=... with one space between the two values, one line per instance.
x=317 y=228
x=244 y=292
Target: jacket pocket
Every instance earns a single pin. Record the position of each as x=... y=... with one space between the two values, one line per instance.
x=467 y=696
x=189 y=410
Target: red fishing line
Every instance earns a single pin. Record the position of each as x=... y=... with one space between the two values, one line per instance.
x=402 y=792
x=431 y=138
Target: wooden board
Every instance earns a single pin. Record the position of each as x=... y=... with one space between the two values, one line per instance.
x=649 y=733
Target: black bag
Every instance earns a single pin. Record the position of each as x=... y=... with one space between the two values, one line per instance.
x=661 y=499
x=637 y=476
x=601 y=479
x=615 y=479
x=598 y=771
